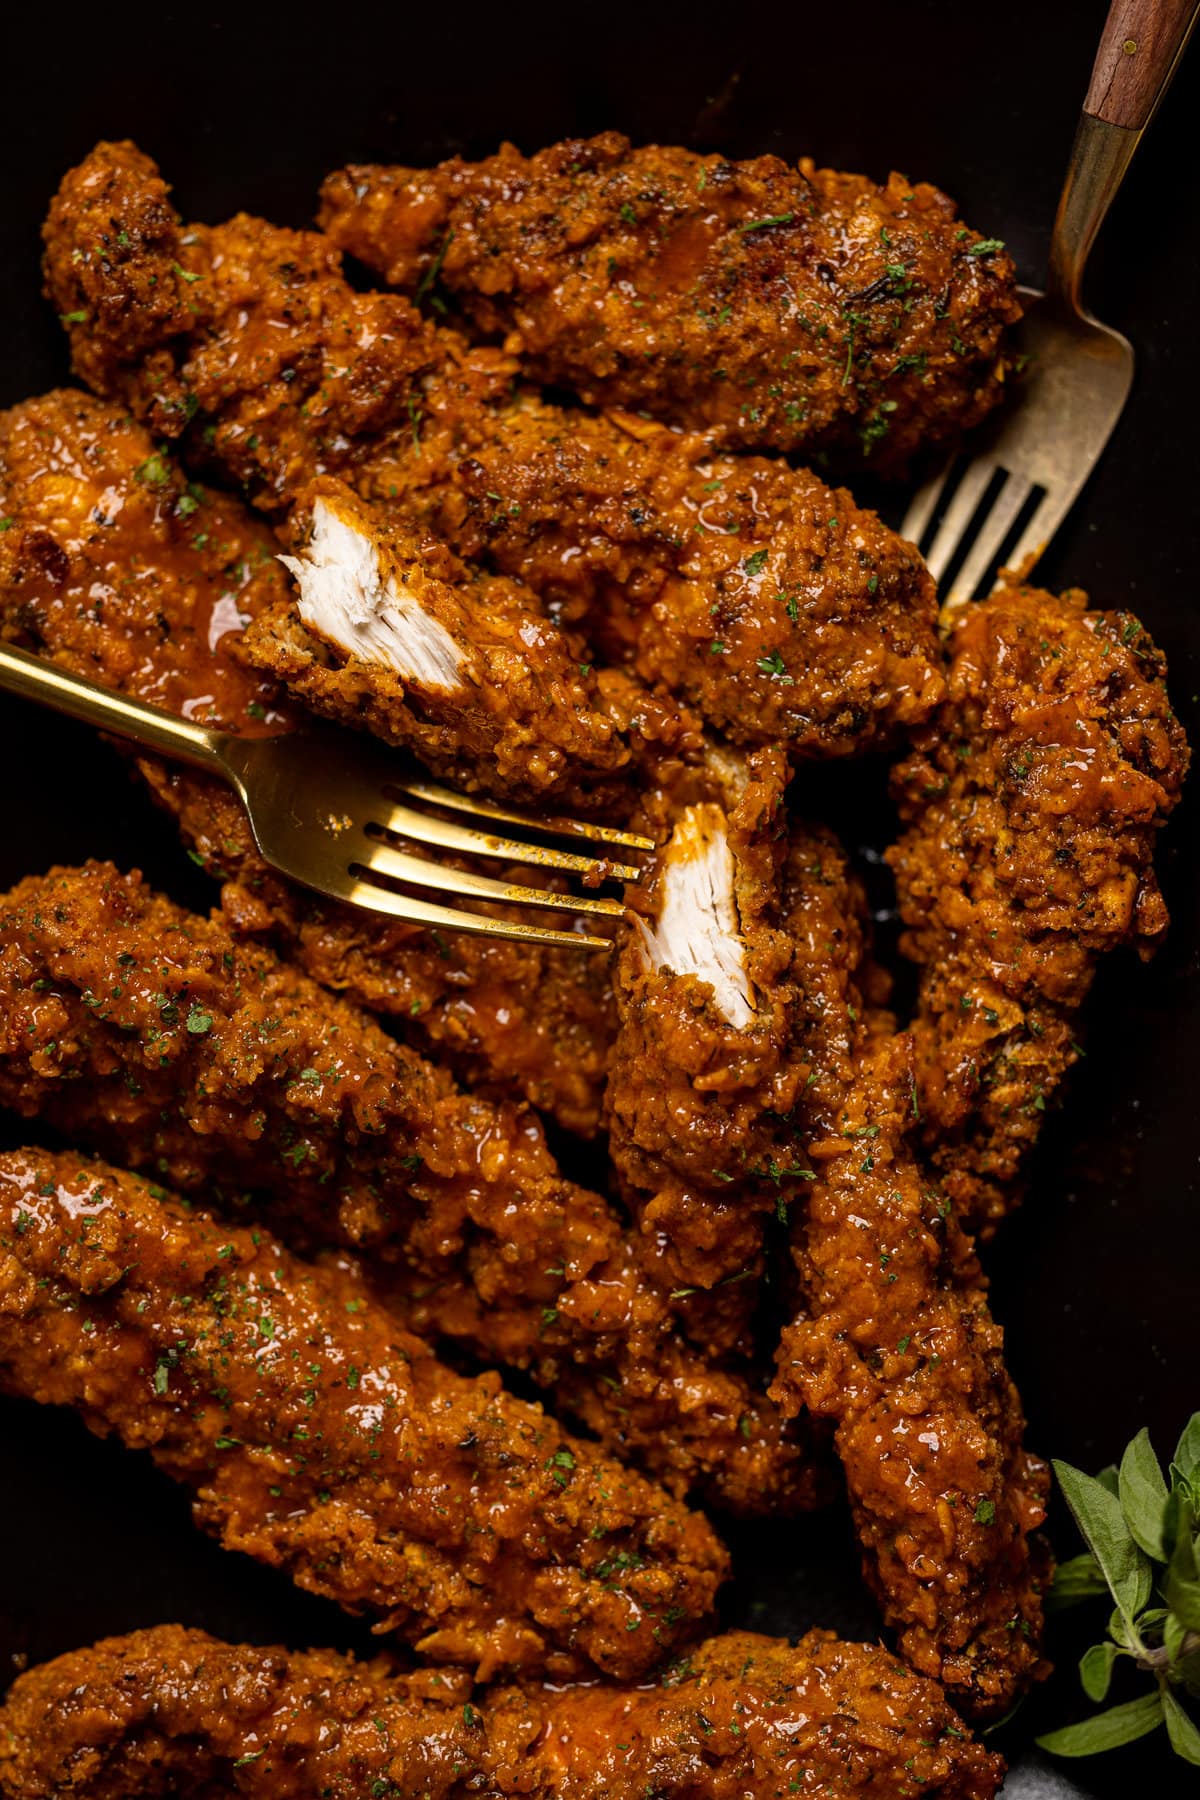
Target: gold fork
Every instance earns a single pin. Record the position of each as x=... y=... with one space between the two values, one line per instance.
x=324 y=804
x=1031 y=462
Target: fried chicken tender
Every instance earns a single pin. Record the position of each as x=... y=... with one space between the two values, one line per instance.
x=766 y=600
x=1032 y=803
x=392 y=634
x=117 y=568
x=704 y=1062
x=893 y=1341
x=777 y=307
x=772 y=603
x=157 y=1038
x=319 y=1438
x=251 y=326
x=744 y=1715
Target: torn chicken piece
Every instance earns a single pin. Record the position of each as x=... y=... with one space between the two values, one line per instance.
x=391 y=634
x=894 y=1344
x=116 y=567
x=317 y=1437
x=696 y=930
x=157 y=1038
x=376 y=608
x=742 y=1714
x=705 y=1064
x=1032 y=802
x=776 y=307
x=752 y=591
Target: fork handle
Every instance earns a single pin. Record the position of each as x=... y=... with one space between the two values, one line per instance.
x=33 y=678
x=1141 y=46
x=1139 y=52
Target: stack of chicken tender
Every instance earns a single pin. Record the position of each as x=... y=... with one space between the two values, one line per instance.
x=310 y=1222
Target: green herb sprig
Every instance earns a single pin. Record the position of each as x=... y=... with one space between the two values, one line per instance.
x=1142 y=1533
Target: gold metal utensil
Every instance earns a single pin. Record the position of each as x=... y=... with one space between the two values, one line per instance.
x=1031 y=462
x=326 y=808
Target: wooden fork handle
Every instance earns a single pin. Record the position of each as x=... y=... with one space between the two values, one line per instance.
x=1142 y=43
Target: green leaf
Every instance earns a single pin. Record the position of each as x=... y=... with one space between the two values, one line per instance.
x=1095 y=1669
x=1185 y=1739
x=1077 y=1579
x=1187 y=1450
x=1177 y=1515
x=1181 y=1588
x=1097 y=1512
x=1107 y=1730
x=1109 y=1478
x=1143 y=1495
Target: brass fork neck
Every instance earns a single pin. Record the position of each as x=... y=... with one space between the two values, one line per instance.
x=1099 y=158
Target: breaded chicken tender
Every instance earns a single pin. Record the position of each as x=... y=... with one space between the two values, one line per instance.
x=117 y=567
x=392 y=634
x=317 y=1437
x=743 y=1715
x=250 y=326
x=893 y=1341
x=776 y=307
x=1032 y=802
x=705 y=1059
x=773 y=604
x=770 y=603
x=157 y=1038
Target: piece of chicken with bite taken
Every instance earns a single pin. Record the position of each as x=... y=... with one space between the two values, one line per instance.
x=391 y=633
x=705 y=1060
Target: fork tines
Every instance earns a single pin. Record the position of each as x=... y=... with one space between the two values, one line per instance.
x=416 y=825
x=970 y=520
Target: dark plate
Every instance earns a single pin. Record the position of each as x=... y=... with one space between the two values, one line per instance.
x=247 y=108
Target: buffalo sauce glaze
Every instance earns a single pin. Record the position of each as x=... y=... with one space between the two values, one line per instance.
x=137 y=578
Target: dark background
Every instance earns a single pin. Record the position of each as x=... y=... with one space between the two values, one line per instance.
x=1096 y=1280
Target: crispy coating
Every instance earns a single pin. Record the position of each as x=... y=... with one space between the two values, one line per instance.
x=319 y=1438
x=745 y=1716
x=894 y=1343
x=777 y=307
x=1031 y=803
x=158 y=1038
x=768 y=601
x=704 y=1061
x=845 y=992
x=508 y=709
x=116 y=567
